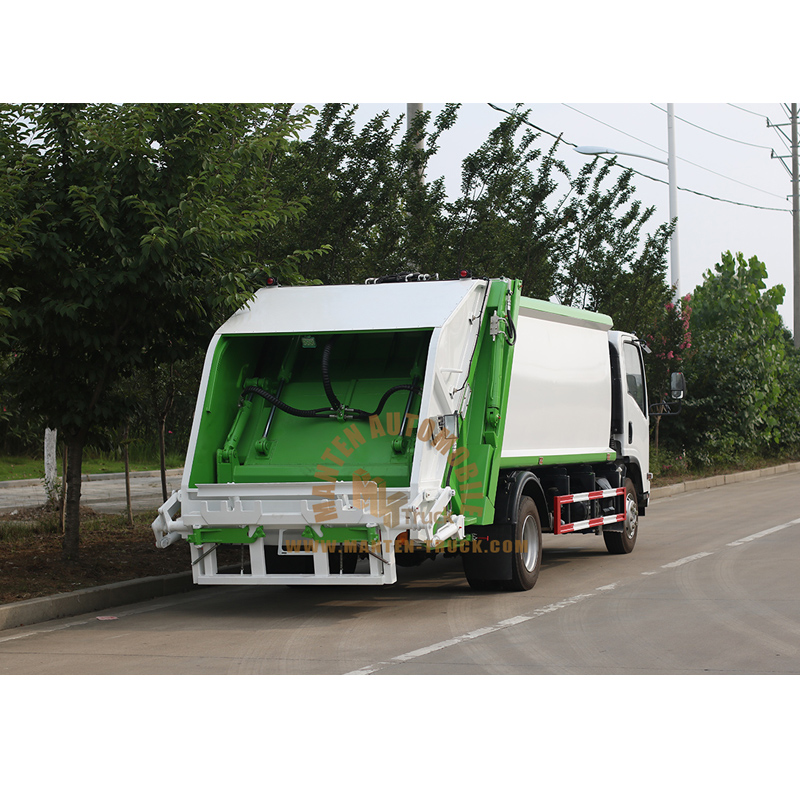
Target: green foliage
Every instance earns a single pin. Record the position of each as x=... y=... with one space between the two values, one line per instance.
x=670 y=343
x=501 y=225
x=132 y=231
x=603 y=264
x=368 y=207
x=145 y=231
x=743 y=376
x=519 y=213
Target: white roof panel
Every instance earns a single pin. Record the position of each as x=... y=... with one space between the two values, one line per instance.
x=319 y=309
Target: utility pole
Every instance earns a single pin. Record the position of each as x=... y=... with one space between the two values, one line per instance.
x=795 y=230
x=795 y=175
x=674 y=269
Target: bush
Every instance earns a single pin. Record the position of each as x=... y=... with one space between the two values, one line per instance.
x=744 y=373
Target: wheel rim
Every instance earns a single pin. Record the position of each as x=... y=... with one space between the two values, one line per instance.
x=530 y=543
x=631 y=516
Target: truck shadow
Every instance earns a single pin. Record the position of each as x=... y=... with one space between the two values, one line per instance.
x=434 y=582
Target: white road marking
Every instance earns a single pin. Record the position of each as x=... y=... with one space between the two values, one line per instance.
x=686 y=560
x=506 y=623
x=767 y=532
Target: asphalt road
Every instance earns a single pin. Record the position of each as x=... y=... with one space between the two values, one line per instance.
x=105 y=494
x=711 y=588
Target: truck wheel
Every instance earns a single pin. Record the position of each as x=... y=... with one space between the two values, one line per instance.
x=527 y=551
x=619 y=542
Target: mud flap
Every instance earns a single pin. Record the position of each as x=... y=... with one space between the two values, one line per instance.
x=489 y=556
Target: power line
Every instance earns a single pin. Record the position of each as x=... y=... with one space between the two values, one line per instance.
x=685 y=160
x=755 y=113
x=714 y=133
x=642 y=174
x=624 y=133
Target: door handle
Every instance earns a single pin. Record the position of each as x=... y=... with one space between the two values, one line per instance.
x=630 y=433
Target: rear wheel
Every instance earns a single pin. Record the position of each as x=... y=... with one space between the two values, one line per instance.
x=527 y=550
x=620 y=542
x=508 y=558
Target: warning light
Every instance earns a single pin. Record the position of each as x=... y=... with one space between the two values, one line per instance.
x=272 y=282
x=464 y=273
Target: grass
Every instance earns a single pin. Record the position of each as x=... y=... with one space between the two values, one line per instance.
x=26 y=467
x=670 y=467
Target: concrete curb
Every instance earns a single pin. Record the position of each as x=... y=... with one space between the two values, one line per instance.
x=83 y=601
x=721 y=480
x=99 y=476
x=70 y=604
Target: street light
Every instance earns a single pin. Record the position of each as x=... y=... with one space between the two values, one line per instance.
x=603 y=151
x=673 y=190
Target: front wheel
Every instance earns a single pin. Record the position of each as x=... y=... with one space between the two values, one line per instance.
x=619 y=542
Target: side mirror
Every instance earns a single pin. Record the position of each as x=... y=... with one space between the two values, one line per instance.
x=677 y=386
x=671 y=404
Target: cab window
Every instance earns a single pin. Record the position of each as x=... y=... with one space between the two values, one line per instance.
x=634 y=375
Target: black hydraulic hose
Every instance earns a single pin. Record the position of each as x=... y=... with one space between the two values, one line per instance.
x=350 y=413
x=326 y=378
x=402 y=387
x=354 y=413
x=337 y=409
x=296 y=412
x=512 y=340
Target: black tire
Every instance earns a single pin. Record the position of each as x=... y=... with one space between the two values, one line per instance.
x=482 y=585
x=621 y=542
x=514 y=554
x=527 y=552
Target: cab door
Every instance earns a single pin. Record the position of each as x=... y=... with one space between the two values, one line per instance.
x=636 y=425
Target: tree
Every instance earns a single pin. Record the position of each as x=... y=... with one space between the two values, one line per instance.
x=603 y=265
x=670 y=345
x=13 y=223
x=140 y=229
x=366 y=201
x=742 y=365
x=501 y=224
x=519 y=213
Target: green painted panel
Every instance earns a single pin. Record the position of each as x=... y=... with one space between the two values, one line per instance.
x=224 y=536
x=344 y=534
x=481 y=433
x=538 y=461
x=231 y=445
x=542 y=306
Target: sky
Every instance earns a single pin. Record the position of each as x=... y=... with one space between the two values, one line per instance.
x=752 y=212
x=590 y=73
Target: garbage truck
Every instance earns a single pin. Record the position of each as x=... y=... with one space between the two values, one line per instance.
x=341 y=432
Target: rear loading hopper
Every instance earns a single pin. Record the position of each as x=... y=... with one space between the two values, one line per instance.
x=343 y=430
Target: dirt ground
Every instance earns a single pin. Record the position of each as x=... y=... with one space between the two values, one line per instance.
x=31 y=562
